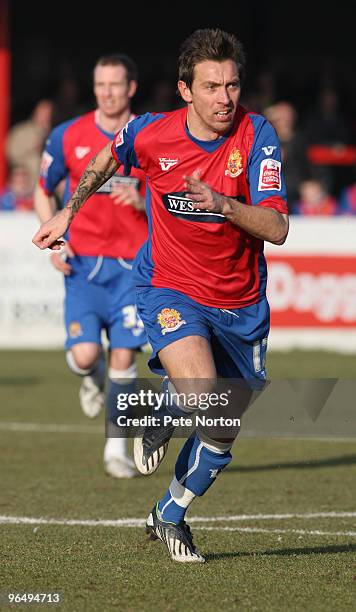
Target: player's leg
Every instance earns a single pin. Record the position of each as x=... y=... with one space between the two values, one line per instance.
x=86 y=360
x=239 y=345
x=198 y=464
x=122 y=375
x=126 y=334
x=83 y=344
x=200 y=460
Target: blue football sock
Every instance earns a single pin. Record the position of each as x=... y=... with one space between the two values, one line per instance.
x=113 y=391
x=120 y=382
x=196 y=469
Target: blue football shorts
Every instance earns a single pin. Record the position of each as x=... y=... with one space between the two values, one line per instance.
x=100 y=295
x=238 y=337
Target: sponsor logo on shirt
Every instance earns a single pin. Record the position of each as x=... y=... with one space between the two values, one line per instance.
x=167 y=163
x=270 y=175
x=81 y=152
x=234 y=164
x=178 y=205
x=268 y=150
x=46 y=161
x=170 y=320
x=75 y=329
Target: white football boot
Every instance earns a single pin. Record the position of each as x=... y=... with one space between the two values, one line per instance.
x=120 y=467
x=91 y=392
x=117 y=463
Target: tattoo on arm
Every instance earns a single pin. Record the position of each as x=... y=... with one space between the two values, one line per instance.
x=91 y=179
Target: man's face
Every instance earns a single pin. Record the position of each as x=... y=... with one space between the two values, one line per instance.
x=212 y=98
x=112 y=90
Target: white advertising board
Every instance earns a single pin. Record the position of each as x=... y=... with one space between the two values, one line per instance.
x=311 y=286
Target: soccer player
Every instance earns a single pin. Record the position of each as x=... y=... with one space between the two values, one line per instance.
x=100 y=247
x=215 y=193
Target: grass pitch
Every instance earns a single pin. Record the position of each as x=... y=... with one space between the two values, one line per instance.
x=272 y=540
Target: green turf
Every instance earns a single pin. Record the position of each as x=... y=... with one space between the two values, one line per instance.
x=59 y=475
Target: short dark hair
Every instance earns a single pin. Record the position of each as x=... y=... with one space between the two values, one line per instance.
x=119 y=59
x=209 y=44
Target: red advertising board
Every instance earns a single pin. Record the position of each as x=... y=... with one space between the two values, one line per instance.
x=316 y=291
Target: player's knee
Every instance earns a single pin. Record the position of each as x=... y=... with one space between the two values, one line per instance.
x=122 y=359
x=83 y=357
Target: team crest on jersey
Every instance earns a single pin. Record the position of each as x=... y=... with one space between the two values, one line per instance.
x=234 y=164
x=75 y=329
x=170 y=320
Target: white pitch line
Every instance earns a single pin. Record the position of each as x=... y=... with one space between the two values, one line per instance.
x=25 y=520
x=277 y=517
x=140 y=522
x=351 y=534
x=50 y=428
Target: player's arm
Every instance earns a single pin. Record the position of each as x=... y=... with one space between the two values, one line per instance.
x=266 y=217
x=264 y=223
x=97 y=172
x=44 y=205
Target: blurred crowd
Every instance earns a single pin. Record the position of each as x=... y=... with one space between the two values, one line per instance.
x=318 y=145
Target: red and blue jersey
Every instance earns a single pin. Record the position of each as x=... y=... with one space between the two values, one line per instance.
x=101 y=227
x=198 y=252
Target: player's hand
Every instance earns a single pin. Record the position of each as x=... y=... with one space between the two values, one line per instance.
x=60 y=260
x=202 y=195
x=49 y=234
x=127 y=195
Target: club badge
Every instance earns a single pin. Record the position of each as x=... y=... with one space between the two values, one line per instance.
x=75 y=329
x=234 y=164
x=170 y=320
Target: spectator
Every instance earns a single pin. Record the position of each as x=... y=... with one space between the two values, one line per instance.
x=328 y=130
x=325 y=124
x=283 y=117
x=315 y=200
x=348 y=200
x=18 y=194
x=26 y=139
